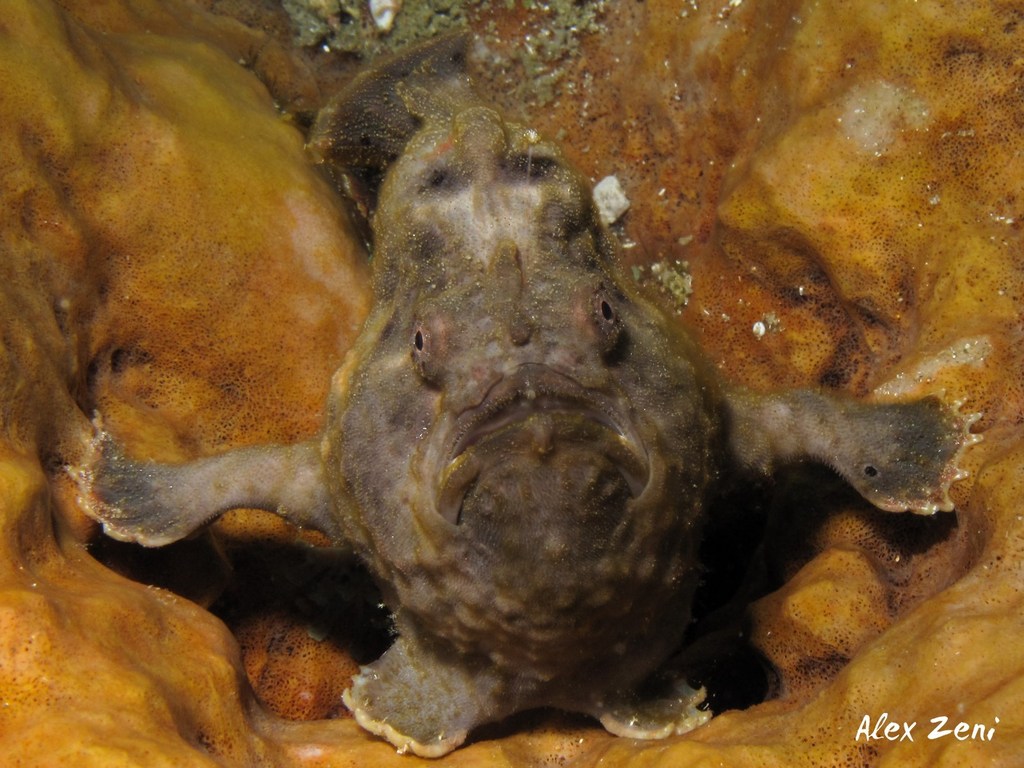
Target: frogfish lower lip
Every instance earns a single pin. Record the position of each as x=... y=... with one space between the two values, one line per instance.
x=531 y=389
x=535 y=412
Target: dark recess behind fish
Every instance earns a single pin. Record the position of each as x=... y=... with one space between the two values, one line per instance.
x=365 y=127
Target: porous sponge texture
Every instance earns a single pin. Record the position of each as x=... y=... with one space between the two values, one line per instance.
x=168 y=257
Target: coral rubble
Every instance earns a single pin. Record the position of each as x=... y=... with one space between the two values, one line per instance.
x=843 y=182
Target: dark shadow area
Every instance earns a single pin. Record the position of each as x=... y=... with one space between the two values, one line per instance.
x=757 y=537
x=330 y=593
x=717 y=654
x=305 y=617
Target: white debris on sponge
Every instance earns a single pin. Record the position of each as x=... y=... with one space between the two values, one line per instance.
x=384 y=12
x=610 y=200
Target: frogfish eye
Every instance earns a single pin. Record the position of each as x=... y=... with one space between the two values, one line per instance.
x=427 y=341
x=606 y=320
x=420 y=351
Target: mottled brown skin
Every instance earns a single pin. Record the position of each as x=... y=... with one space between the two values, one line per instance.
x=519 y=447
x=508 y=547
